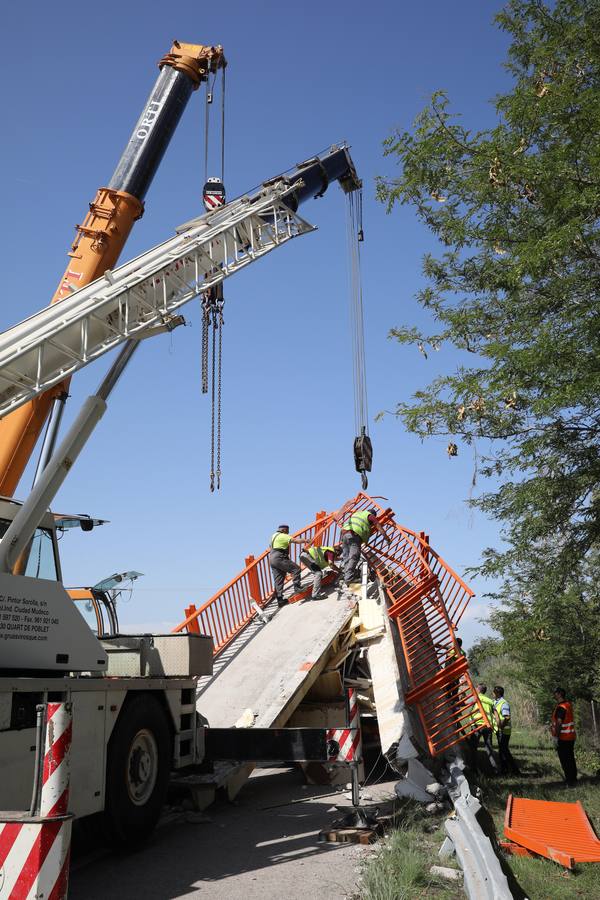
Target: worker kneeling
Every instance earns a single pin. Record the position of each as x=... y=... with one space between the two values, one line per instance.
x=317 y=559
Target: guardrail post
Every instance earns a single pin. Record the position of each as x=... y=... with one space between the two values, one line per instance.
x=253 y=581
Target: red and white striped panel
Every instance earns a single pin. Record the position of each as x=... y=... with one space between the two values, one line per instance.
x=349 y=743
x=57 y=753
x=348 y=738
x=34 y=860
x=212 y=201
x=34 y=856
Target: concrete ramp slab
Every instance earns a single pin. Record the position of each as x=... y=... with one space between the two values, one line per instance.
x=274 y=669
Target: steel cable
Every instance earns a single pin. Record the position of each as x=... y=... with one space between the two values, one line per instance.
x=354 y=230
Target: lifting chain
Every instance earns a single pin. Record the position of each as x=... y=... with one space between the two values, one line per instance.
x=205 y=302
x=219 y=390
x=212 y=314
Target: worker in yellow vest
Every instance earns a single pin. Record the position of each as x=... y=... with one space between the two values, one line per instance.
x=563 y=732
x=317 y=559
x=486 y=719
x=503 y=729
x=452 y=653
x=356 y=531
x=281 y=564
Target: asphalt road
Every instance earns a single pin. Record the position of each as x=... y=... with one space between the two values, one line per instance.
x=242 y=850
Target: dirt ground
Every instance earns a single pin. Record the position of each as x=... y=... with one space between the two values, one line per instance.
x=242 y=850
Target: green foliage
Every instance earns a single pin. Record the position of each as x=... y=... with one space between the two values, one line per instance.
x=516 y=287
x=481 y=653
x=553 y=637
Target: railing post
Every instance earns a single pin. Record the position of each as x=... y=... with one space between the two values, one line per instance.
x=193 y=627
x=253 y=581
x=318 y=539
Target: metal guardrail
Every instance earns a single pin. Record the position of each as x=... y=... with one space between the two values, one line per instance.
x=483 y=875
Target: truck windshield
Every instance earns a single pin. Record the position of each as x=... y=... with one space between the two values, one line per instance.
x=38 y=559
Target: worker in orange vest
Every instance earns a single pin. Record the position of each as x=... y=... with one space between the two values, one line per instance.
x=563 y=733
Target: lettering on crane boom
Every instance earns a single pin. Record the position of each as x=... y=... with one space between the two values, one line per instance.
x=147 y=120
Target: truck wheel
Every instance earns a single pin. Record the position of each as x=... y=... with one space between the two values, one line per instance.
x=137 y=771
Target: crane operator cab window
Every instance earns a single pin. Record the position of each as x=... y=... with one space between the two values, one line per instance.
x=38 y=559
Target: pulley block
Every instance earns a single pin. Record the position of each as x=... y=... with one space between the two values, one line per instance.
x=213 y=194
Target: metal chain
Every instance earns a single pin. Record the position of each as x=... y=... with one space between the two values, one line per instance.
x=205 y=325
x=219 y=313
x=212 y=424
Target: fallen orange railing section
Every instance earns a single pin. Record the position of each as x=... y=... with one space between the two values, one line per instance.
x=558 y=831
x=426 y=601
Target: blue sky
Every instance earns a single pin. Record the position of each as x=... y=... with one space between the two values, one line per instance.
x=299 y=79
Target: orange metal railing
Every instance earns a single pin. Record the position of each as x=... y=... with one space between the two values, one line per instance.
x=426 y=601
x=226 y=614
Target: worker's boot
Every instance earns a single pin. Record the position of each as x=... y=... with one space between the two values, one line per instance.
x=281 y=602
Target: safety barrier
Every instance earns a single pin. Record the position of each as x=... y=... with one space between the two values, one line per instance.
x=426 y=601
x=35 y=846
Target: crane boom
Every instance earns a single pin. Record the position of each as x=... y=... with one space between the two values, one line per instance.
x=105 y=230
x=61 y=339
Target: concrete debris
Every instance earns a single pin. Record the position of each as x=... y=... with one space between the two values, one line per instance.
x=246 y=720
x=445 y=872
x=406 y=788
x=434 y=808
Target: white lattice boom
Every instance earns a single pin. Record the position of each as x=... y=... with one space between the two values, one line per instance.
x=44 y=349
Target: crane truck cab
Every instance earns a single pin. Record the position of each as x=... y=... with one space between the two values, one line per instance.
x=133 y=696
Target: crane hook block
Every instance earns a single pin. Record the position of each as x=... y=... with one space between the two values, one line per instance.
x=363 y=453
x=213 y=194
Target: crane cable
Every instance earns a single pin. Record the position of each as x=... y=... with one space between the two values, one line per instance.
x=363 y=449
x=212 y=303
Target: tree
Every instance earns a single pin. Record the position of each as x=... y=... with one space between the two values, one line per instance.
x=516 y=286
x=554 y=637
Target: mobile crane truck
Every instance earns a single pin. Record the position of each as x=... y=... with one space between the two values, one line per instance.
x=134 y=709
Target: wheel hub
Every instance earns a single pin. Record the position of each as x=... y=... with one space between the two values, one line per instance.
x=142 y=767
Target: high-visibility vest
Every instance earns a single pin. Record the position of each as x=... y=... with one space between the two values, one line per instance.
x=453 y=654
x=488 y=709
x=358 y=523
x=318 y=555
x=567 y=731
x=498 y=707
x=280 y=541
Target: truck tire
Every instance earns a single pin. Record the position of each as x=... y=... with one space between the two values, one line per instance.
x=137 y=771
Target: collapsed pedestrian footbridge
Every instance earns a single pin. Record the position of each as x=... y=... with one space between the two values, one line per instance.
x=392 y=638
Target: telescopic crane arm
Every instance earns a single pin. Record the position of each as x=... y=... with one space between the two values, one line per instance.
x=140 y=299
x=105 y=230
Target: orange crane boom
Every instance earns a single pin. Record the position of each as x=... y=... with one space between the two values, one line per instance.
x=105 y=230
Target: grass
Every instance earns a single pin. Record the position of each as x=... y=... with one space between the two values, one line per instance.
x=400 y=868
x=542 y=879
